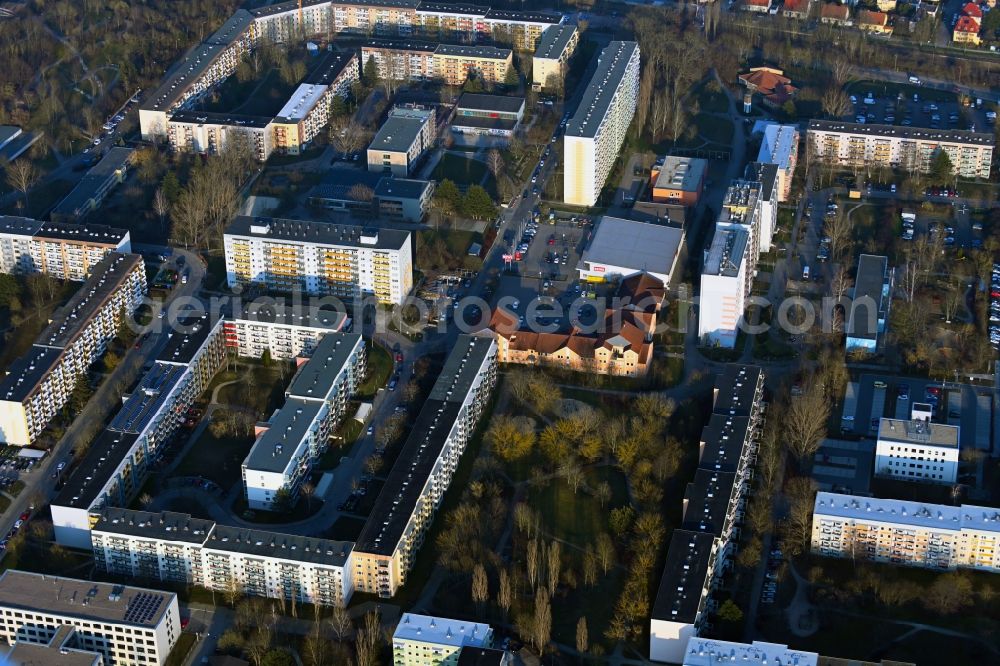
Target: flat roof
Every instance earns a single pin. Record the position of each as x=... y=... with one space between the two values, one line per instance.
x=83 y=233
x=301 y=102
x=725 y=254
x=84 y=599
x=325 y=233
x=275 y=447
x=8 y=132
x=234 y=27
x=400 y=45
x=441 y=630
x=681 y=173
x=306 y=316
x=904 y=512
x=112 y=162
x=106 y=277
x=706 y=501
x=479 y=122
x=684 y=575
x=53 y=654
x=147 y=398
x=401 y=188
x=388 y=4
x=189 y=70
x=723 y=438
x=26 y=373
x=428 y=435
x=780 y=145
x=481 y=656
x=711 y=652
x=162 y=525
x=472 y=51
x=736 y=389
x=105 y=453
x=902 y=132
x=766 y=174
x=516 y=16
x=19 y=226
x=593 y=108
x=282 y=7
x=330 y=67
x=643 y=246
x=398 y=133
x=452 y=8
x=338 y=184
x=554 y=41
x=869 y=282
x=498 y=103
x=187 y=338
x=264 y=543
x=925 y=433
x=220 y=118
x=317 y=376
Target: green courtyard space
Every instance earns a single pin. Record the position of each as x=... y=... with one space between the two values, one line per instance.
x=377 y=373
x=217 y=458
x=463 y=171
x=578 y=517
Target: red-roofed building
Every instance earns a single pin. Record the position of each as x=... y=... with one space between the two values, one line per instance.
x=770 y=83
x=972 y=10
x=832 y=13
x=966 y=31
x=761 y=6
x=797 y=9
x=874 y=22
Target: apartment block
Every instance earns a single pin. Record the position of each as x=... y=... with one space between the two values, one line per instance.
x=62 y=250
x=413 y=491
x=125 y=625
x=917 y=450
x=596 y=131
x=319 y=258
x=780 y=146
x=95 y=186
x=209 y=133
x=405 y=199
x=700 y=550
x=284 y=22
x=678 y=180
x=712 y=651
x=522 y=29
x=39 y=383
x=61 y=650
x=284 y=332
x=425 y=640
x=868 y=314
x=308 y=110
x=381 y=18
x=726 y=281
x=933 y=536
x=764 y=177
x=120 y=458
x=456 y=64
x=405 y=136
x=401 y=60
x=298 y=434
x=486 y=120
x=176 y=548
x=908 y=148
x=551 y=59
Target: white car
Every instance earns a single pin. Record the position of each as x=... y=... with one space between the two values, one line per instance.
x=184 y=279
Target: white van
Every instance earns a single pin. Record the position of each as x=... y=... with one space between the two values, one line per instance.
x=915 y=80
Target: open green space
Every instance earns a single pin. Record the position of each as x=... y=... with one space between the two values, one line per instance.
x=40 y=199
x=578 y=518
x=379 y=367
x=445 y=250
x=259 y=386
x=216 y=459
x=714 y=129
x=463 y=171
x=182 y=647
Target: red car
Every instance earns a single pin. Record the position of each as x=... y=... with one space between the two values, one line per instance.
x=25 y=515
x=399 y=357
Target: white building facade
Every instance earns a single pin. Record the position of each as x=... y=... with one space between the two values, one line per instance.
x=917 y=451
x=426 y=640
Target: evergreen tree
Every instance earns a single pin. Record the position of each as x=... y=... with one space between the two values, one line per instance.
x=370 y=74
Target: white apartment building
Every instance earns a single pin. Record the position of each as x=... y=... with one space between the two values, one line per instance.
x=284 y=22
x=597 y=130
x=319 y=258
x=404 y=510
x=917 y=450
x=934 y=536
x=712 y=652
x=764 y=176
x=909 y=148
x=62 y=250
x=208 y=133
x=401 y=60
x=299 y=432
x=551 y=58
x=39 y=383
x=281 y=330
x=780 y=146
x=126 y=625
x=176 y=548
x=120 y=457
x=426 y=640
x=726 y=280
x=402 y=140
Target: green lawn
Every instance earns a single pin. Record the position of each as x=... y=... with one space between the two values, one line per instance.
x=380 y=366
x=16 y=488
x=715 y=130
x=578 y=518
x=180 y=652
x=461 y=170
x=267 y=391
x=216 y=459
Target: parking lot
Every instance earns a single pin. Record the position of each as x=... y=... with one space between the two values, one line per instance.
x=932 y=109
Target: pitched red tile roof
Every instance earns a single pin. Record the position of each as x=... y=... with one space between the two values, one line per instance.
x=967 y=24
x=867 y=17
x=797 y=6
x=835 y=11
x=972 y=9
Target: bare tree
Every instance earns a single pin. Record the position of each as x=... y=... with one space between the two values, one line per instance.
x=361 y=192
x=842 y=71
x=505 y=595
x=571 y=471
x=161 y=206
x=348 y=135
x=542 y=625
x=340 y=622
x=605 y=552
x=555 y=565
x=838 y=229
x=797 y=525
x=22 y=176
x=367 y=641
x=805 y=421
x=480 y=586
x=495 y=162
x=531 y=561
x=835 y=103
x=308 y=491
x=582 y=640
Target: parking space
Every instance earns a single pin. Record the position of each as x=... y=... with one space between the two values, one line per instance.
x=934 y=109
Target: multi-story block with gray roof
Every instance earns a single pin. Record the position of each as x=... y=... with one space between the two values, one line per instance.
x=61 y=250
x=405 y=136
x=299 y=432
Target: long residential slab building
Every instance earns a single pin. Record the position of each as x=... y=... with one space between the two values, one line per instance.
x=700 y=550
x=215 y=59
x=933 y=536
x=319 y=258
x=909 y=148
x=56 y=620
x=61 y=250
x=39 y=383
x=597 y=130
x=415 y=60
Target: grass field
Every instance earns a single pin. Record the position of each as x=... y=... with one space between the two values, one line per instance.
x=181 y=648
x=578 y=518
x=463 y=171
x=265 y=394
x=218 y=460
x=715 y=130
x=379 y=368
